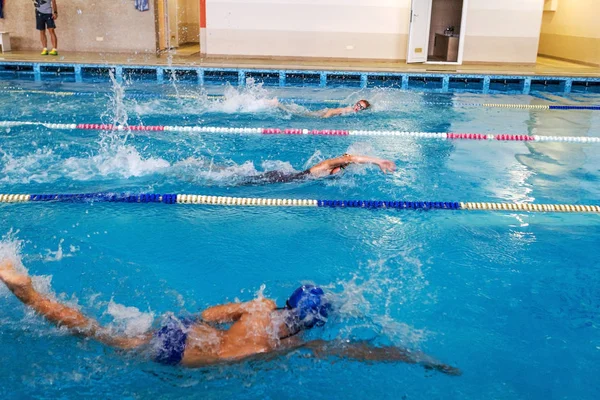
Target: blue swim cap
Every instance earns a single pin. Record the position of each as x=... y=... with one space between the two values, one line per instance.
x=308 y=307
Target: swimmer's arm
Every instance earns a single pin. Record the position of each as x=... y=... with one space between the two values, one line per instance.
x=233 y=311
x=328 y=165
x=334 y=112
x=275 y=102
x=363 y=351
x=384 y=165
x=60 y=314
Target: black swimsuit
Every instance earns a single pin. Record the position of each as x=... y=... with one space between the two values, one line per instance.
x=277 y=177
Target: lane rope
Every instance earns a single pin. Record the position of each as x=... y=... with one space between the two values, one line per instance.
x=300 y=131
x=265 y=202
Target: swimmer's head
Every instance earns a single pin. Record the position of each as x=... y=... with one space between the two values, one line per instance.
x=307 y=307
x=361 y=105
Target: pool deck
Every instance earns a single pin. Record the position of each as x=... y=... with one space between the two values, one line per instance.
x=544 y=66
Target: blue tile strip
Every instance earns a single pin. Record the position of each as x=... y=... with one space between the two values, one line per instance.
x=282 y=78
x=320 y=78
x=527 y=86
x=568 y=85
x=78 y=75
x=323 y=79
x=445 y=83
x=363 y=80
x=404 y=82
x=486 y=84
x=37 y=72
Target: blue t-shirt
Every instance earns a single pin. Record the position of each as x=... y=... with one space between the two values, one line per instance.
x=43 y=6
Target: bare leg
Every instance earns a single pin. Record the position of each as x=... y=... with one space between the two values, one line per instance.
x=59 y=314
x=53 y=38
x=363 y=351
x=43 y=39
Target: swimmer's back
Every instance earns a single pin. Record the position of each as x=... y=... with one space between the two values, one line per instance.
x=277 y=177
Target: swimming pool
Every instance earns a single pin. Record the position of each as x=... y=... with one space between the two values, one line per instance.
x=510 y=298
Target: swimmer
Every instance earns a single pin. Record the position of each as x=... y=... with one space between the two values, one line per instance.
x=326 y=112
x=332 y=166
x=258 y=328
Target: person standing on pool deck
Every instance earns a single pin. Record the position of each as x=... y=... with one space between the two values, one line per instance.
x=332 y=166
x=46 y=13
x=327 y=112
x=258 y=327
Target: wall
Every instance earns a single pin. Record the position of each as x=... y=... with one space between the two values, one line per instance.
x=572 y=31
x=376 y=29
x=496 y=31
x=444 y=13
x=80 y=22
x=503 y=31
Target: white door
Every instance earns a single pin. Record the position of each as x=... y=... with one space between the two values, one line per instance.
x=418 y=35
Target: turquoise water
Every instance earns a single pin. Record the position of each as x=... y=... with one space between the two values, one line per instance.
x=510 y=298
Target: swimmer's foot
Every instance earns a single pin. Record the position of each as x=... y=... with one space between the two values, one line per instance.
x=446 y=369
x=11 y=277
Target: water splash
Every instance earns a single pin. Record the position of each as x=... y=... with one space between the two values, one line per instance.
x=250 y=98
x=128 y=320
x=364 y=306
x=56 y=255
x=11 y=248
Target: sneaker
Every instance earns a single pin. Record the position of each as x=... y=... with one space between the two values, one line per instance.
x=45 y=52
x=53 y=52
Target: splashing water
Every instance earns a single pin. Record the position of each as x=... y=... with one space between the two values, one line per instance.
x=129 y=320
x=248 y=99
x=10 y=249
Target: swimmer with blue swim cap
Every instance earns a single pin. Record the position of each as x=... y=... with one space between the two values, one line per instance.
x=307 y=307
x=224 y=333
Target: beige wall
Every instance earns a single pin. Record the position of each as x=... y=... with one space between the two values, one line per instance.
x=572 y=31
x=503 y=31
x=496 y=31
x=123 y=28
x=308 y=28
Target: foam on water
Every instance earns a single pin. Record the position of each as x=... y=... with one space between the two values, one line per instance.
x=129 y=320
x=124 y=161
x=44 y=166
x=251 y=98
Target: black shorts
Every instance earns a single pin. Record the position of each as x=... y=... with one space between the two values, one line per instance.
x=44 y=20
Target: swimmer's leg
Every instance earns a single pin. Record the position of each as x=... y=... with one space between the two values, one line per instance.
x=364 y=351
x=59 y=314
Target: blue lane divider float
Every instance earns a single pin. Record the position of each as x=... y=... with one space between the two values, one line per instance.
x=596 y=108
x=414 y=205
x=172 y=198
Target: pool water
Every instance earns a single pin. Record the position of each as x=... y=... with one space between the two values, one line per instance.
x=509 y=298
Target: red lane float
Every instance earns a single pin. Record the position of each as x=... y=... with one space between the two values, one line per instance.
x=469 y=136
x=521 y=138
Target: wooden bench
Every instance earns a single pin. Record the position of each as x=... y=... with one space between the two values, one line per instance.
x=5 y=41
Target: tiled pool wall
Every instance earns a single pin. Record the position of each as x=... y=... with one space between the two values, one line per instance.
x=439 y=82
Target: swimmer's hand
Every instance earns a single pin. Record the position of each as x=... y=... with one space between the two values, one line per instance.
x=386 y=166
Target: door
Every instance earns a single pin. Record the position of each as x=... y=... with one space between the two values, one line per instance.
x=418 y=35
x=173 y=18
x=163 y=25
